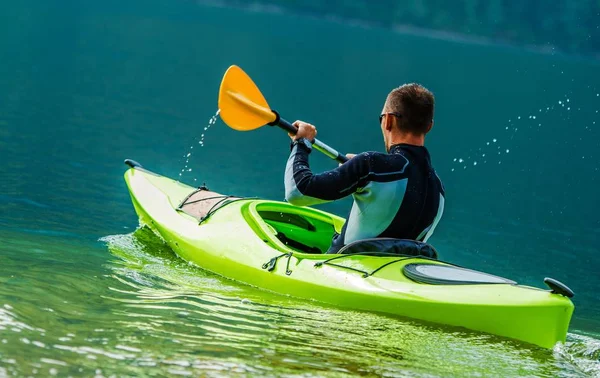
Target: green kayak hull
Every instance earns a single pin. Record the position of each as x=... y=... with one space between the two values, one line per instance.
x=239 y=240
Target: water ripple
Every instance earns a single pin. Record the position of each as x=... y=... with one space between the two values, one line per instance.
x=148 y=310
x=217 y=317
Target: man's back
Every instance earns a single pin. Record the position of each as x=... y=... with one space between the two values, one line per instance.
x=403 y=199
x=396 y=195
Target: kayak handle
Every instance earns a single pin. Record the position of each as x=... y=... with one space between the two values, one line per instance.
x=558 y=287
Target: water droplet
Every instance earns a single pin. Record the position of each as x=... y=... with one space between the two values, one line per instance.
x=465 y=167
x=452 y=169
x=460 y=160
x=474 y=163
x=507 y=150
x=499 y=162
x=483 y=155
x=519 y=117
x=559 y=102
x=530 y=117
x=494 y=140
x=488 y=143
x=533 y=117
x=568 y=100
x=189 y=170
x=188 y=155
x=506 y=128
x=454 y=159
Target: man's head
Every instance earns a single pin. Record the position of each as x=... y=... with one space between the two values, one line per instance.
x=409 y=110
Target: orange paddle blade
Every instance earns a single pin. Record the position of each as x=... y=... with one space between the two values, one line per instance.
x=242 y=106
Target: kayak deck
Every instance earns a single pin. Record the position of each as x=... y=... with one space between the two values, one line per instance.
x=279 y=247
x=202 y=201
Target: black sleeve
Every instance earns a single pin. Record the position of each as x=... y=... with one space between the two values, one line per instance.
x=305 y=188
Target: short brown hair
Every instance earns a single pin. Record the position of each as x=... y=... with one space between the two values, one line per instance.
x=415 y=103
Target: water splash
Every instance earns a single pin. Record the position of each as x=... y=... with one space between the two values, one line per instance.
x=582 y=351
x=188 y=155
x=561 y=109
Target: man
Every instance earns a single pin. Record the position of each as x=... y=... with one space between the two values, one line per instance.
x=396 y=195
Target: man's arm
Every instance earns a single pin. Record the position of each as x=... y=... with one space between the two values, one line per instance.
x=303 y=188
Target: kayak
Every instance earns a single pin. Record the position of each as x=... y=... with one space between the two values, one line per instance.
x=281 y=248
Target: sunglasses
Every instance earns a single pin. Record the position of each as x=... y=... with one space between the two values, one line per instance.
x=394 y=114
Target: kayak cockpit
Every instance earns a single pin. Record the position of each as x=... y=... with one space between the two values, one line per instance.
x=290 y=228
x=306 y=230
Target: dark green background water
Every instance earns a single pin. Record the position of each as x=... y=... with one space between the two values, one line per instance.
x=84 y=85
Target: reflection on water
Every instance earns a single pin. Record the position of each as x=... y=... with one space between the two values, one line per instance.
x=151 y=310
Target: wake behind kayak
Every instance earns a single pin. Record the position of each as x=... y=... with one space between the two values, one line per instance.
x=279 y=247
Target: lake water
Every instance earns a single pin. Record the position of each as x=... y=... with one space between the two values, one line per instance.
x=84 y=86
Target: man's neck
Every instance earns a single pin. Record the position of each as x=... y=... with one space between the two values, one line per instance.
x=406 y=138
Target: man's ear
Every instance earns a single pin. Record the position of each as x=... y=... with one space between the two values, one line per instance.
x=388 y=123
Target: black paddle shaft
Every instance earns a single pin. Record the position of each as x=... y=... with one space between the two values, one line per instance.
x=317 y=144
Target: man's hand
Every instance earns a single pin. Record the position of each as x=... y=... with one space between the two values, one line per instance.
x=305 y=130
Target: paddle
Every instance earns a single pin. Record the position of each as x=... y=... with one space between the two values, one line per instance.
x=242 y=107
